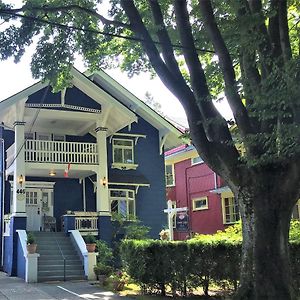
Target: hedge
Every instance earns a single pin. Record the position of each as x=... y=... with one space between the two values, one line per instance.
x=186 y=265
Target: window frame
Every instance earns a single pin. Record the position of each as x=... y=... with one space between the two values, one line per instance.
x=172 y=173
x=232 y=212
x=194 y=200
x=123 y=165
x=127 y=198
x=197 y=162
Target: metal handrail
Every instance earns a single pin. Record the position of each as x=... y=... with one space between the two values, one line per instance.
x=64 y=258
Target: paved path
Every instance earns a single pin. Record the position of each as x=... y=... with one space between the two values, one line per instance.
x=14 y=288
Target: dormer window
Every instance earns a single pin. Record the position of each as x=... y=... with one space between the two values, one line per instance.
x=123 y=154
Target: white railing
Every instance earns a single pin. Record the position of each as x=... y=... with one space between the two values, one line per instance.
x=61 y=152
x=85 y=223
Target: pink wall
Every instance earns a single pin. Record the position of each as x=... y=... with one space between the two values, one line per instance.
x=192 y=182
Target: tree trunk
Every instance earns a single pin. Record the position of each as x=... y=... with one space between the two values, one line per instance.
x=266 y=214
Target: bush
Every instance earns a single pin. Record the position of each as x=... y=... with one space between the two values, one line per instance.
x=105 y=252
x=103 y=269
x=186 y=265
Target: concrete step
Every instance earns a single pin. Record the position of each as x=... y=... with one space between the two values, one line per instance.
x=54 y=246
x=60 y=278
x=58 y=256
x=50 y=262
x=57 y=252
x=58 y=267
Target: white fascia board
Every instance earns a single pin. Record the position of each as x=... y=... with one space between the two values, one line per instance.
x=181 y=156
x=138 y=106
x=99 y=95
x=22 y=95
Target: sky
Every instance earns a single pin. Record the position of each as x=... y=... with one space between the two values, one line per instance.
x=16 y=77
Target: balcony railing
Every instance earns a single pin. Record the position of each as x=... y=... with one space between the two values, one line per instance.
x=57 y=152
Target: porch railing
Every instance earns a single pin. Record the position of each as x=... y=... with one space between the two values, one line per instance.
x=86 y=222
x=61 y=152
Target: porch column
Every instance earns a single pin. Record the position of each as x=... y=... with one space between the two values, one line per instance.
x=19 y=198
x=102 y=201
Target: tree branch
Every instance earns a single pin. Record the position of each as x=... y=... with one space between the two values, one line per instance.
x=274 y=29
x=54 y=9
x=164 y=39
x=234 y=99
x=214 y=123
x=183 y=93
x=284 y=31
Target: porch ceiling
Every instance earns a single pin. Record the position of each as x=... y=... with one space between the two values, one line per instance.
x=44 y=169
x=60 y=122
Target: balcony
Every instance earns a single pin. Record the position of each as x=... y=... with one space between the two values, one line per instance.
x=56 y=152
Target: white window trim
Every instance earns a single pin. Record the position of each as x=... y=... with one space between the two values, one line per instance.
x=194 y=200
x=224 y=212
x=173 y=176
x=123 y=165
x=198 y=162
x=127 y=198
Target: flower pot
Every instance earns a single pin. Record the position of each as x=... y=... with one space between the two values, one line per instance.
x=91 y=247
x=31 y=248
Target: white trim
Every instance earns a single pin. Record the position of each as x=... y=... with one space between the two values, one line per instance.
x=193 y=162
x=124 y=166
x=136 y=136
x=123 y=163
x=37 y=184
x=68 y=106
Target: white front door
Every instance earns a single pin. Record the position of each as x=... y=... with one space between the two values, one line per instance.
x=39 y=202
x=33 y=209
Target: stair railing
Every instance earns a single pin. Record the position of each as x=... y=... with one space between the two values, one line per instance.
x=62 y=254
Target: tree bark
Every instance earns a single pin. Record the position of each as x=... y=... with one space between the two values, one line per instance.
x=265 y=271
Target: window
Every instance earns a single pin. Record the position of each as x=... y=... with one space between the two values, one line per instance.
x=169 y=173
x=123 y=151
x=200 y=203
x=196 y=160
x=296 y=211
x=29 y=135
x=122 y=202
x=59 y=137
x=231 y=212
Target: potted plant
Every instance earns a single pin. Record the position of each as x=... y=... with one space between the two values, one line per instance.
x=102 y=271
x=31 y=245
x=90 y=241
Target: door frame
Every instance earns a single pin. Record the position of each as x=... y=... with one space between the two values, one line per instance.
x=46 y=186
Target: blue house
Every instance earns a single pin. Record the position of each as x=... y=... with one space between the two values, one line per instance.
x=71 y=159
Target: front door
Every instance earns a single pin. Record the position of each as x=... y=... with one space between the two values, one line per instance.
x=33 y=209
x=39 y=203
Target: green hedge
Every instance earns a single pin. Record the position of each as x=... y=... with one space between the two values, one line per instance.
x=186 y=265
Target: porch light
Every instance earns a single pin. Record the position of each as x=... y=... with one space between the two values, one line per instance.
x=20 y=179
x=103 y=181
x=52 y=173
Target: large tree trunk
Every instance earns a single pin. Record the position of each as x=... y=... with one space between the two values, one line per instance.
x=266 y=214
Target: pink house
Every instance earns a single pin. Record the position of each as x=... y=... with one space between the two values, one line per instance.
x=191 y=183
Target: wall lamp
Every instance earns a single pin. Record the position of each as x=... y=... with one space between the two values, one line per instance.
x=20 y=179
x=52 y=173
x=103 y=181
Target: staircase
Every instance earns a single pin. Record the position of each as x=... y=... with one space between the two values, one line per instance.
x=53 y=247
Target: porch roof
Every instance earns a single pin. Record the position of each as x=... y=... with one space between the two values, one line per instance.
x=127 y=179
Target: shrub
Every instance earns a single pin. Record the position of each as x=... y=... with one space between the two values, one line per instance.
x=103 y=269
x=185 y=265
x=105 y=252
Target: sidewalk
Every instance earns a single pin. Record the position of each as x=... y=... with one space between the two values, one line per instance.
x=14 y=288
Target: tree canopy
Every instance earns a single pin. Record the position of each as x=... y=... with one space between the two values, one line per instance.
x=202 y=50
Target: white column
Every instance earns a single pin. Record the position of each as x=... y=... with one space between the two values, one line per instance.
x=102 y=201
x=171 y=214
x=19 y=199
x=92 y=261
x=31 y=274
